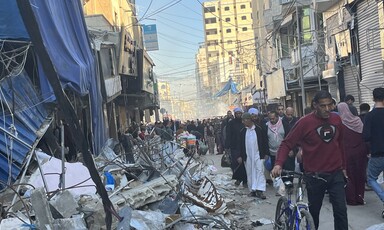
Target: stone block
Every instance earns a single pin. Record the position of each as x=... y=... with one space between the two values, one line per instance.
x=42 y=211
x=65 y=204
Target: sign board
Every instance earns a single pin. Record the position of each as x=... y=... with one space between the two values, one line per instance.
x=150 y=37
x=128 y=55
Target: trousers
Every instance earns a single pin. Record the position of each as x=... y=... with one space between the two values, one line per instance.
x=334 y=183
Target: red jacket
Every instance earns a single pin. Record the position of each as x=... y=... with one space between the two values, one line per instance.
x=321 y=141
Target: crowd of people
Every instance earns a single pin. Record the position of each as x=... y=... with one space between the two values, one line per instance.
x=339 y=150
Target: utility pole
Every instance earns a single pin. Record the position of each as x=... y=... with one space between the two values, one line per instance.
x=303 y=99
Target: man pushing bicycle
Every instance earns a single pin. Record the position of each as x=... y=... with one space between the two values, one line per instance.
x=320 y=136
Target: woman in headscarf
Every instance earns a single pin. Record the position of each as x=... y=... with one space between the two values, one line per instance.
x=356 y=152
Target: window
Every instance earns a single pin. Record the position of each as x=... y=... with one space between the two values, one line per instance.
x=306 y=26
x=230 y=53
x=107 y=57
x=228 y=30
x=245 y=66
x=210 y=20
x=226 y=8
x=209 y=9
x=213 y=42
x=227 y=19
x=285 y=51
x=211 y=31
x=242 y=7
x=243 y=17
x=244 y=29
x=229 y=42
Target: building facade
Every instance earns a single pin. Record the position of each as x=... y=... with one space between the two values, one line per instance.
x=229 y=46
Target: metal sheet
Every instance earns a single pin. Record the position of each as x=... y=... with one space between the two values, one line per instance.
x=22 y=120
x=367 y=15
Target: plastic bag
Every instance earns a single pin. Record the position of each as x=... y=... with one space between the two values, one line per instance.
x=203 y=148
x=226 y=160
x=279 y=185
x=268 y=164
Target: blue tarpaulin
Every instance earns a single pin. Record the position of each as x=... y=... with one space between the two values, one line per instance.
x=63 y=30
x=229 y=86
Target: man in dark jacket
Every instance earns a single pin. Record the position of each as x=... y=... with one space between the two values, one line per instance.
x=232 y=143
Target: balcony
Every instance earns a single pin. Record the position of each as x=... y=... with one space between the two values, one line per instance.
x=323 y=5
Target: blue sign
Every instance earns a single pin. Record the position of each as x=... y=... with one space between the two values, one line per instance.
x=150 y=37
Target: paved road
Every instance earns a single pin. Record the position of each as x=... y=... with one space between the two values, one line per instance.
x=251 y=209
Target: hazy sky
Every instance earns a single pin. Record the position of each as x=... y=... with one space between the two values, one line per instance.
x=180 y=30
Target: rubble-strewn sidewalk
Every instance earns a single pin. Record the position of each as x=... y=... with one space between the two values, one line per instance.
x=168 y=187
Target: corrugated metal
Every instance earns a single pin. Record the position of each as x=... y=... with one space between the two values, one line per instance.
x=351 y=81
x=367 y=16
x=20 y=129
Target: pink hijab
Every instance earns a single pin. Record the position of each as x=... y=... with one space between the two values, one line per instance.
x=351 y=121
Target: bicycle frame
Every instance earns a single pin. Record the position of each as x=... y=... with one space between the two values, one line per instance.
x=293 y=209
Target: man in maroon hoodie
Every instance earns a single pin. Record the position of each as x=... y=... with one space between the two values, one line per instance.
x=321 y=137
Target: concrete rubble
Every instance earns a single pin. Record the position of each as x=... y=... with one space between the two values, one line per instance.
x=167 y=187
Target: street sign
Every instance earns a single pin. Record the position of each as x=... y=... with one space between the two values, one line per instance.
x=150 y=37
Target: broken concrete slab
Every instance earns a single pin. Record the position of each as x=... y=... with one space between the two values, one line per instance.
x=146 y=193
x=148 y=220
x=41 y=207
x=65 y=203
x=77 y=223
x=14 y=223
x=126 y=214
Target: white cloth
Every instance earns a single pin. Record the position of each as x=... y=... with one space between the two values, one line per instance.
x=254 y=165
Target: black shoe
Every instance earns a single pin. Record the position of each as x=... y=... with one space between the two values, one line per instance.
x=252 y=194
x=237 y=183
x=260 y=194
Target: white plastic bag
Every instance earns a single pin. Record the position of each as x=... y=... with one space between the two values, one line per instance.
x=278 y=184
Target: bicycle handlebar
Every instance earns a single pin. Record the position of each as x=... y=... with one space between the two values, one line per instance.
x=289 y=172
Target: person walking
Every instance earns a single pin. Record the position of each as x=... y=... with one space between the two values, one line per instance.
x=356 y=152
x=232 y=143
x=320 y=134
x=253 y=149
x=209 y=136
x=373 y=133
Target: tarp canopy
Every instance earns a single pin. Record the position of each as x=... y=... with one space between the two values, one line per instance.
x=63 y=30
x=229 y=86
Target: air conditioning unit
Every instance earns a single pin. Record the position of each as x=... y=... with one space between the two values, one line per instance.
x=282 y=2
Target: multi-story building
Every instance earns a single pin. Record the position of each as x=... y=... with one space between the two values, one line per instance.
x=115 y=25
x=294 y=66
x=354 y=47
x=229 y=44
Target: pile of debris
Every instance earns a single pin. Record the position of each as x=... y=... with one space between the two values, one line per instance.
x=166 y=187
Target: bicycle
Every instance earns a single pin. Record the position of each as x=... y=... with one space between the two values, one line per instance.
x=293 y=214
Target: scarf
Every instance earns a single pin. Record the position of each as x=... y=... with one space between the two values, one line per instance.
x=351 y=121
x=275 y=127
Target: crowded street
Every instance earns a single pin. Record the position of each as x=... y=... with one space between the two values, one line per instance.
x=192 y=114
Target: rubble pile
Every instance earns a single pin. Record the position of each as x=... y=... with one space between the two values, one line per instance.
x=167 y=187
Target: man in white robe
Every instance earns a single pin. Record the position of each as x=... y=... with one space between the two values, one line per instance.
x=254 y=150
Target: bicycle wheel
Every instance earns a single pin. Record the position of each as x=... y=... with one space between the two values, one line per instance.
x=281 y=214
x=306 y=221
